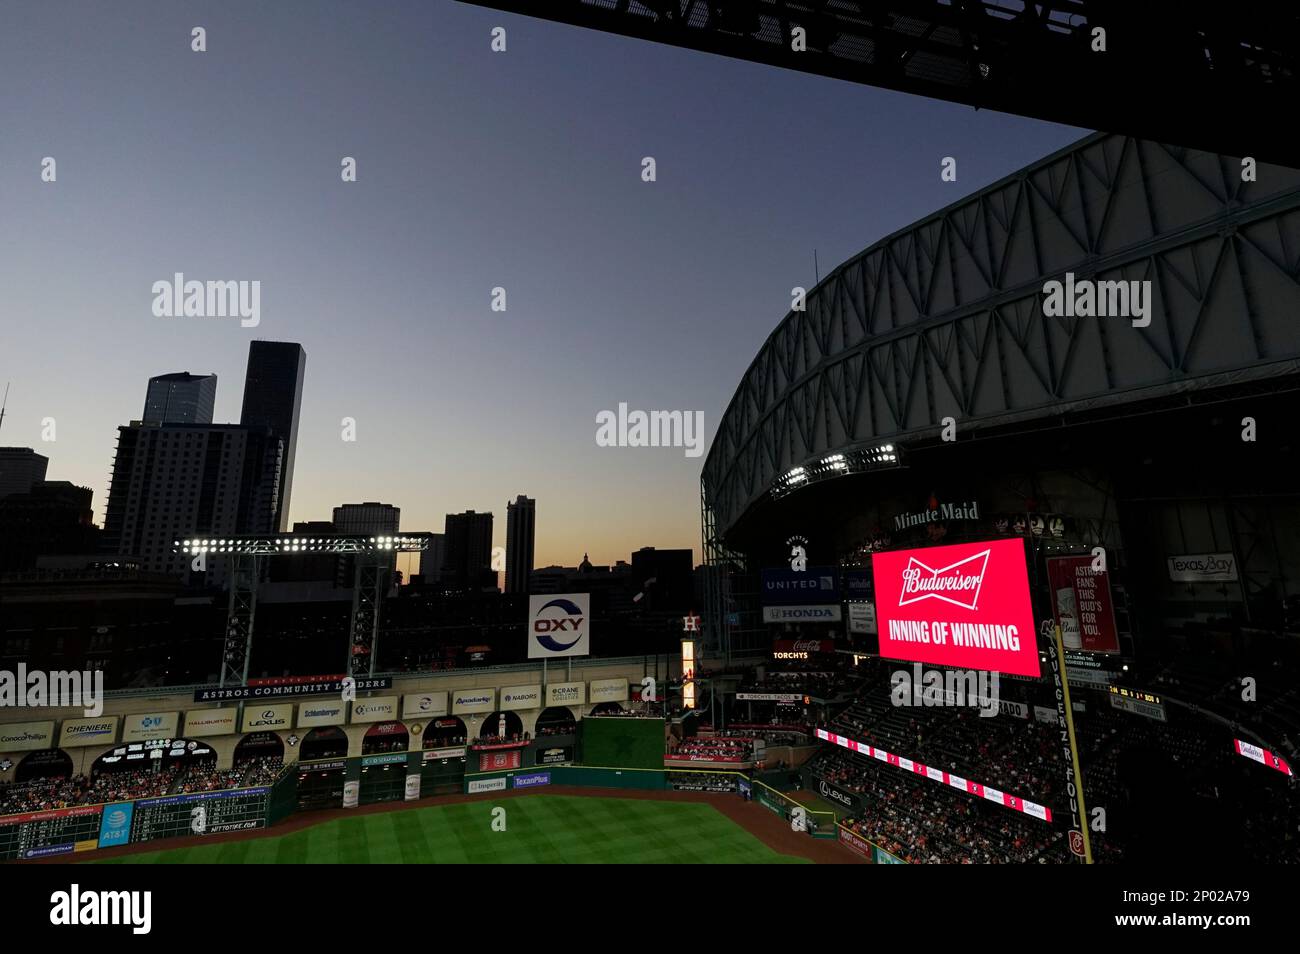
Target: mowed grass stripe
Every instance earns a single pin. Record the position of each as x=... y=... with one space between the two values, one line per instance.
x=540 y=829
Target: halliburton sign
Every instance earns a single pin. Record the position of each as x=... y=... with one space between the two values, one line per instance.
x=965 y=605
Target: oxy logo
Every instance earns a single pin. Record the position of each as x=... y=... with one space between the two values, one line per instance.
x=965 y=578
x=554 y=621
x=75 y=907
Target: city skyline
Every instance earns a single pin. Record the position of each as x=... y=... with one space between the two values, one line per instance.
x=476 y=170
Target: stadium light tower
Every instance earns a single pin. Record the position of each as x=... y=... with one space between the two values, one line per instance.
x=246 y=553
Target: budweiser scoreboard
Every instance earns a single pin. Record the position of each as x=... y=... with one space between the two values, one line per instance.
x=965 y=605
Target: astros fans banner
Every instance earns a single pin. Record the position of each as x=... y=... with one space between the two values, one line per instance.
x=559 y=625
x=965 y=605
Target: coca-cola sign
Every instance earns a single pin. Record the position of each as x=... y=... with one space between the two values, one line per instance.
x=806 y=646
x=965 y=605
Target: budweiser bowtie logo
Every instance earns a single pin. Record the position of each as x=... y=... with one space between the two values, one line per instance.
x=958 y=583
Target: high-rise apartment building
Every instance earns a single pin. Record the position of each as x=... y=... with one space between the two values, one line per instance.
x=172 y=481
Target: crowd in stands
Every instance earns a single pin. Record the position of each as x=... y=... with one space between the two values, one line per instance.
x=820 y=683
x=921 y=822
x=702 y=782
x=715 y=749
x=519 y=737
x=179 y=778
x=563 y=728
x=391 y=743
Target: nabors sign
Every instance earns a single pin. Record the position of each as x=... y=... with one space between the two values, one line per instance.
x=965 y=605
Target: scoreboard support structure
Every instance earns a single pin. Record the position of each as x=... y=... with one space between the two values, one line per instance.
x=239 y=620
x=245 y=552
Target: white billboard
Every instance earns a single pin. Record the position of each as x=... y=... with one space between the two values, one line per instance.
x=150 y=725
x=862 y=618
x=521 y=697
x=424 y=704
x=559 y=625
x=376 y=709
x=801 y=614
x=607 y=690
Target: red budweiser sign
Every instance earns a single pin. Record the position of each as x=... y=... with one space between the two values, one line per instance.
x=965 y=605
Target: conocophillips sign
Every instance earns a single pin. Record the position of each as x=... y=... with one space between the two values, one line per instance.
x=25 y=736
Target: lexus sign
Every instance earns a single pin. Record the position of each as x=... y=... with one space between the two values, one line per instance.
x=965 y=605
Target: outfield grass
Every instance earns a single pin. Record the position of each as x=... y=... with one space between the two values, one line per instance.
x=540 y=829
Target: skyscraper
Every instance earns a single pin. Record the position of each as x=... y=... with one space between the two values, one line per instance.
x=468 y=563
x=180 y=398
x=273 y=398
x=172 y=481
x=20 y=468
x=521 y=527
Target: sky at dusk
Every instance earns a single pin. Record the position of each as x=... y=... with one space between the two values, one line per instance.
x=475 y=170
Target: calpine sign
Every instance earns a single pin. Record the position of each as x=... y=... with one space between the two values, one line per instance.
x=965 y=605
